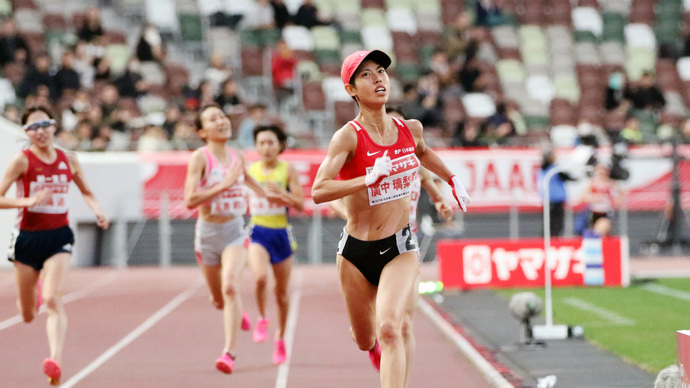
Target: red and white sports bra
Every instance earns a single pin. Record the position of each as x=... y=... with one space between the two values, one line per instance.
x=402 y=154
x=231 y=202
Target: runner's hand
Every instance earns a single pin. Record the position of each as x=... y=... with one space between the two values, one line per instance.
x=382 y=168
x=459 y=192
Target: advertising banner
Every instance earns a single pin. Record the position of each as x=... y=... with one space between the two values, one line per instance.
x=466 y=264
x=683 y=346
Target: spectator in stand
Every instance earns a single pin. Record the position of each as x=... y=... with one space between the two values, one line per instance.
x=131 y=84
x=13 y=47
x=440 y=65
x=616 y=93
x=109 y=99
x=281 y=15
x=411 y=102
x=11 y=112
x=647 y=95
x=470 y=75
x=67 y=141
x=308 y=15
x=91 y=28
x=102 y=65
x=185 y=137
x=467 y=135
x=499 y=127
x=429 y=93
x=259 y=16
x=37 y=74
x=172 y=116
x=283 y=65
x=229 y=99
x=83 y=64
x=257 y=116
x=204 y=93
x=488 y=13
x=67 y=79
x=84 y=133
x=217 y=73
x=150 y=46
x=456 y=39
x=631 y=133
x=153 y=139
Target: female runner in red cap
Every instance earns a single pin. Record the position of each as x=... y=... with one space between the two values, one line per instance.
x=371 y=163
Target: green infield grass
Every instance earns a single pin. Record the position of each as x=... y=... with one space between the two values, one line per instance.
x=637 y=323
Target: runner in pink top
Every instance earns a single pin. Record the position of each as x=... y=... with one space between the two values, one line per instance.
x=215 y=184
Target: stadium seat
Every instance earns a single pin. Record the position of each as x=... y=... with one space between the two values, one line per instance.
x=377 y=38
x=478 y=105
x=210 y=7
x=640 y=35
x=344 y=111
x=298 y=38
x=613 y=27
x=510 y=70
x=118 y=54
x=29 y=20
x=313 y=96
x=401 y=19
x=190 y=26
x=334 y=90
x=587 y=19
x=563 y=135
x=683 y=65
x=252 y=61
x=162 y=14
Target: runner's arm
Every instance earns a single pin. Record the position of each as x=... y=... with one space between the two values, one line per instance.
x=326 y=187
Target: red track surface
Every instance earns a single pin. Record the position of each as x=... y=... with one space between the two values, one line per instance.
x=155 y=327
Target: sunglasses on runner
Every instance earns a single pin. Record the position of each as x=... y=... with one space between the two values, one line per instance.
x=38 y=124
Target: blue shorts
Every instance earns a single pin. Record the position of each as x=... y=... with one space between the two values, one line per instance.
x=33 y=248
x=279 y=243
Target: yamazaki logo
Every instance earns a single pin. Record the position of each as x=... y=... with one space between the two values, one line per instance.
x=479 y=262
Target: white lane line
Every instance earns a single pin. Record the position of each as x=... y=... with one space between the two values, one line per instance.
x=133 y=335
x=71 y=297
x=663 y=290
x=290 y=328
x=608 y=315
x=491 y=375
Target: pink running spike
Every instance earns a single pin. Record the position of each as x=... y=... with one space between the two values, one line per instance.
x=261 y=331
x=279 y=354
x=246 y=322
x=375 y=356
x=225 y=363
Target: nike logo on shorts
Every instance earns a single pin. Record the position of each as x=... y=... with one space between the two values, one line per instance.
x=382 y=252
x=372 y=153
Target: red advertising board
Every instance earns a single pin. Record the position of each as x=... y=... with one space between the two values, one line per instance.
x=466 y=264
x=683 y=345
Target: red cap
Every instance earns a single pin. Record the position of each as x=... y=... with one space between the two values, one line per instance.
x=352 y=62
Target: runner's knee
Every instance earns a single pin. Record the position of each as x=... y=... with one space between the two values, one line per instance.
x=389 y=332
x=261 y=281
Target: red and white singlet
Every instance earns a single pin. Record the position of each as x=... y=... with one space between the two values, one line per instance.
x=56 y=177
x=231 y=202
x=402 y=154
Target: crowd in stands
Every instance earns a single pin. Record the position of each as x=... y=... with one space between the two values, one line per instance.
x=100 y=109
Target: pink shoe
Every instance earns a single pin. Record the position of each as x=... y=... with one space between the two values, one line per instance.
x=279 y=355
x=39 y=298
x=261 y=331
x=225 y=363
x=246 y=322
x=375 y=356
x=52 y=369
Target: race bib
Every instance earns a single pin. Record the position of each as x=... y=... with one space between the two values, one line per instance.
x=260 y=206
x=57 y=203
x=398 y=184
x=230 y=203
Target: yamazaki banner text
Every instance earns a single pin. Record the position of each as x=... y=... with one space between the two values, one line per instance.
x=495 y=179
x=466 y=264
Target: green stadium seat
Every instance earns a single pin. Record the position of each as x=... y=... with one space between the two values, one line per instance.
x=190 y=27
